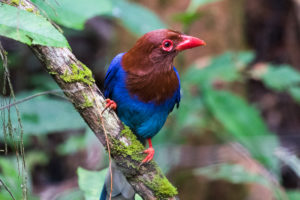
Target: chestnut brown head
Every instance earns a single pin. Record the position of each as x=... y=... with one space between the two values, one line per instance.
x=159 y=47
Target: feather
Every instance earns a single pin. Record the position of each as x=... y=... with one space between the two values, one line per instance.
x=110 y=74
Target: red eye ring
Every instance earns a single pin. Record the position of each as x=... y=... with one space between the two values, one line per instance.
x=167 y=45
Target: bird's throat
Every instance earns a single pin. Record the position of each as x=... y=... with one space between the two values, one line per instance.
x=152 y=84
x=150 y=78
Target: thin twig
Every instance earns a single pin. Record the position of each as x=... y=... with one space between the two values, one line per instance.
x=53 y=92
x=107 y=142
x=18 y=146
x=7 y=189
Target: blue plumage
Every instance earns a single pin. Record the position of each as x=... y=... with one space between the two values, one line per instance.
x=144 y=86
x=144 y=118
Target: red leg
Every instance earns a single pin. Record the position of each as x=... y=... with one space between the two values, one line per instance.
x=110 y=104
x=150 y=151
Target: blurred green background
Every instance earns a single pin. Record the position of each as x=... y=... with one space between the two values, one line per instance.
x=235 y=135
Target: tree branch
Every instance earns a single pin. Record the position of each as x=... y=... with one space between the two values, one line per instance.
x=76 y=80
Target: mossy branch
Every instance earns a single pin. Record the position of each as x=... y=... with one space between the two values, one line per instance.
x=77 y=82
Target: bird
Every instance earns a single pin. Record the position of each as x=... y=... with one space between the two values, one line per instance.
x=143 y=87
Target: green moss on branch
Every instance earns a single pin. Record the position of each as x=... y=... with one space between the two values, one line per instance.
x=29 y=9
x=78 y=75
x=15 y=2
x=87 y=102
x=163 y=189
x=133 y=150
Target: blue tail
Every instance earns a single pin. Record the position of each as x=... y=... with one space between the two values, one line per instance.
x=103 y=193
x=122 y=190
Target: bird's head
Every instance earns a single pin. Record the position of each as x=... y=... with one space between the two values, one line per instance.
x=157 y=49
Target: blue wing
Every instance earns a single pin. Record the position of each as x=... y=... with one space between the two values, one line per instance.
x=177 y=95
x=110 y=75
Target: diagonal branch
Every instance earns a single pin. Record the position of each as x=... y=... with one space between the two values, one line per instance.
x=76 y=80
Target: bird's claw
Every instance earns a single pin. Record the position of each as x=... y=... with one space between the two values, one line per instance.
x=150 y=151
x=110 y=104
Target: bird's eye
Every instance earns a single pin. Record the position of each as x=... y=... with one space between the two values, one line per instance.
x=167 y=45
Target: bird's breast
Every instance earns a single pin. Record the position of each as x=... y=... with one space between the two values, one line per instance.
x=156 y=87
x=144 y=117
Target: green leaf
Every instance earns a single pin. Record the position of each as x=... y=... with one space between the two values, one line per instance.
x=136 y=18
x=187 y=18
x=72 y=145
x=245 y=125
x=42 y=115
x=9 y=175
x=295 y=93
x=74 y=194
x=190 y=112
x=43 y=82
x=293 y=194
x=231 y=172
x=138 y=197
x=195 y=4
x=13 y=179
x=237 y=174
x=91 y=182
x=280 y=78
x=225 y=67
x=34 y=158
x=74 y=13
x=29 y=28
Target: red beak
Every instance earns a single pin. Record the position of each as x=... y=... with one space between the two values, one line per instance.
x=189 y=42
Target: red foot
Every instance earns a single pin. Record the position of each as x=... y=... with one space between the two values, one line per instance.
x=110 y=104
x=150 y=151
